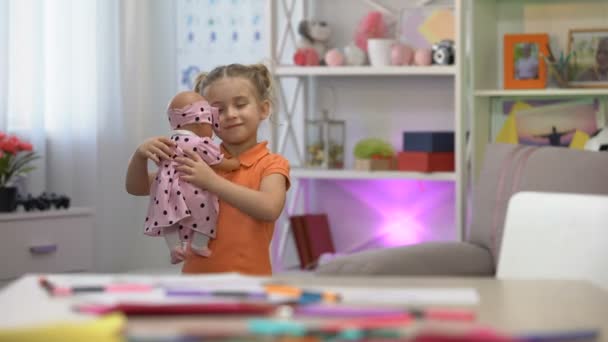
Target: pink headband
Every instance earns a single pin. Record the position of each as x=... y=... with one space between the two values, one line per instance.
x=197 y=112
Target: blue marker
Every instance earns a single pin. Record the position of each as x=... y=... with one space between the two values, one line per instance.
x=566 y=336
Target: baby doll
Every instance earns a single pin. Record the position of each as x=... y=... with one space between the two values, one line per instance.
x=178 y=210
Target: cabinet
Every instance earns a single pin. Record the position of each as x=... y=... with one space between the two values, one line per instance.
x=46 y=242
x=491 y=20
x=301 y=94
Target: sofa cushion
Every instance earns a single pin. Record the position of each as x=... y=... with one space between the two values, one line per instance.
x=426 y=259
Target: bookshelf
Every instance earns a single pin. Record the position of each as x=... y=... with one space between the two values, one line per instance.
x=491 y=19
x=301 y=104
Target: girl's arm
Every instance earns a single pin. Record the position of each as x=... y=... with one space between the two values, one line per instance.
x=138 y=179
x=264 y=204
x=227 y=165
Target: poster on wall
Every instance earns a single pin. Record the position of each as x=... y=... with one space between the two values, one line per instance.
x=543 y=122
x=217 y=32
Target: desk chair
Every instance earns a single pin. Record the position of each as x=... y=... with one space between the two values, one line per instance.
x=555 y=236
x=506 y=170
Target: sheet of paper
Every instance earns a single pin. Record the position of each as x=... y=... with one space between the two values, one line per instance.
x=405 y=296
x=211 y=282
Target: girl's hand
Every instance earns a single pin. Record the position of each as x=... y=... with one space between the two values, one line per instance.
x=194 y=170
x=156 y=148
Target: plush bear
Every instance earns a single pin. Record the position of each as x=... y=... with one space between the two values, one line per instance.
x=314 y=34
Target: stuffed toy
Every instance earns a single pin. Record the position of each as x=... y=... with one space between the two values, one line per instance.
x=306 y=57
x=314 y=35
x=354 y=55
x=334 y=57
x=402 y=54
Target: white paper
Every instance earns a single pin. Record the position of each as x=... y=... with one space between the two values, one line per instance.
x=404 y=296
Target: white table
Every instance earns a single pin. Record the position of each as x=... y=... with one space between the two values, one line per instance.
x=515 y=306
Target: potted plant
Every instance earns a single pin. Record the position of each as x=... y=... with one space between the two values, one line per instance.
x=16 y=157
x=373 y=154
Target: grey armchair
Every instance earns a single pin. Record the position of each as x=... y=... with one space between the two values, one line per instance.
x=506 y=169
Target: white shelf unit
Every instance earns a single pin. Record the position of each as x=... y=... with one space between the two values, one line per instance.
x=491 y=20
x=434 y=70
x=281 y=13
x=567 y=92
x=311 y=173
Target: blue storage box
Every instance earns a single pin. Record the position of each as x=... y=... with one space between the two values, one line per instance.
x=428 y=141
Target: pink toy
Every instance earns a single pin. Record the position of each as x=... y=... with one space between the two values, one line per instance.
x=371 y=26
x=306 y=57
x=402 y=54
x=423 y=57
x=334 y=57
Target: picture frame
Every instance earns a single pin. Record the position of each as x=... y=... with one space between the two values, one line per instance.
x=524 y=62
x=589 y=66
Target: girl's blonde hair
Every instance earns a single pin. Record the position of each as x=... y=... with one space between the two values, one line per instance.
x=257 y=74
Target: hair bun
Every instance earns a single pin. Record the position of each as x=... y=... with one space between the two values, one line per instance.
x=198 y=82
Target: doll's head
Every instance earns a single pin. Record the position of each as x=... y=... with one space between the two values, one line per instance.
x=190 y=111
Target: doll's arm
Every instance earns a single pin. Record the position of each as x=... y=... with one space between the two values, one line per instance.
x=227 y=165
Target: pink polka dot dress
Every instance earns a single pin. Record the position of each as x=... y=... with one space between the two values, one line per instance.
x=176 y=205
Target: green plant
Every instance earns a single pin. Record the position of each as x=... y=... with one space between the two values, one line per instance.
x=15 y=158
x=373 y=147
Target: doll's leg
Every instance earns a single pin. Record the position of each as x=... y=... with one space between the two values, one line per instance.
x=175 y=245
x=199 y=244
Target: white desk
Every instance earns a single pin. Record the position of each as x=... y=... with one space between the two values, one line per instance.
x=514 y=306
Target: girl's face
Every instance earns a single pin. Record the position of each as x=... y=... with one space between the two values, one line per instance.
x=240 y=111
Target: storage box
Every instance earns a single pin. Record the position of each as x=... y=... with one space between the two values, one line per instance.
x=428 y=141
x=374 y=164
x=425 y=161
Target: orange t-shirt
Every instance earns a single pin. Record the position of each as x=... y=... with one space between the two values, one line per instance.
x=242 y=242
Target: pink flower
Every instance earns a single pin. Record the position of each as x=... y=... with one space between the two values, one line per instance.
x=25 y=146
x=371 y=26
x=10 y=145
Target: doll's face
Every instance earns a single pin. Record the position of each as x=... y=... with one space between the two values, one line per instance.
x=202 y=130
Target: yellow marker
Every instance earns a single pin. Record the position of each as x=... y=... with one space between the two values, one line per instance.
x=109 y=328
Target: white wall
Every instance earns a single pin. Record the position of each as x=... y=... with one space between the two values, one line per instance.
x=150 y=252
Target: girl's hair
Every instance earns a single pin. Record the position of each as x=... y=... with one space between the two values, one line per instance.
x=257 y=74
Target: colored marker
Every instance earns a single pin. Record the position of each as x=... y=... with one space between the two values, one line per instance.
x=345 y=311
x=565 y=336
x=304 y=296
x=202 y=293
x=54 y=290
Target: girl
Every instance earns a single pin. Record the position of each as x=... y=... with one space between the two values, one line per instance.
x=252 y=197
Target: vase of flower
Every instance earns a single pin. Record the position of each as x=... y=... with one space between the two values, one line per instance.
x=16 y=157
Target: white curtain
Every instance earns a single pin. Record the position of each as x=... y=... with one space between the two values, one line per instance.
x=74 y=80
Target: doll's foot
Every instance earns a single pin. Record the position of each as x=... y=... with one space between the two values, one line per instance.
x=178 y=254
x=204 y=252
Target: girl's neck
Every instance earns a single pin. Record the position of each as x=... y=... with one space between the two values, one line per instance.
x=236 y=150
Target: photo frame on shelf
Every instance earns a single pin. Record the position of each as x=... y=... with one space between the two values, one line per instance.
x=589 y=67
x=524 y=63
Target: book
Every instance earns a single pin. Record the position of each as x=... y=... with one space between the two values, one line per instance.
x=312 y=235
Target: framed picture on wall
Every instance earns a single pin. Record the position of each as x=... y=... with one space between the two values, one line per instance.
x=524 y=63
x=589 y=67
